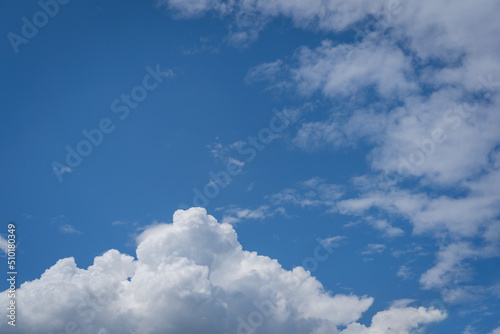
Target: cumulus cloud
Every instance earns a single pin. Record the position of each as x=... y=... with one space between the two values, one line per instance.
x=192 y=276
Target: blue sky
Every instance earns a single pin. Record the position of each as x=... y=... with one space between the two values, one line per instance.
x=387 y=160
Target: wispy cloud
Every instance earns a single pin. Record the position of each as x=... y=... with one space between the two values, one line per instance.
x=314 y=192
x=332 y=241
x=68 y=229
x=404 y=272
x=118 y=223
x=373 y=249
x=234 y=214
x=4 y=245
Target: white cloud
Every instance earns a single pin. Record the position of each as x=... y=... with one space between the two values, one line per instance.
x=396 y=321
x=192 y=276
x=188 y=8
x=496 y=331
x=404 y=272
x=249 y=17
x=388 y=230
x=449 y=266
x=342 y=70
x=457 y=218
x=469 y=330
x=265 y=72
x=234 y=214
x=118 y=222
x=314 y=192
x=68 y=229
x=401 y=303
x=4 y=245
x=373 y=249
x=332 y=241
x=224 y=153
x=421 y=87
x=464 y=216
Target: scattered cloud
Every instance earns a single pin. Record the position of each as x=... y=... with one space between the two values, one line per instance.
x=68 y=229
x=225 y=153
x=4 y=245
x=332 y=241
x=388 y=230
x=400 y=303
x=250 y=186
x=496 y=331
x=397 y=320
x=314 y=192
x=404 y=272
x=118 y=222
x=264 y=72
x=420 y=88
x=373 y=249
x=234 y=214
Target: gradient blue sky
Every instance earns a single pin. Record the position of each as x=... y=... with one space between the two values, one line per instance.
x=351 y=123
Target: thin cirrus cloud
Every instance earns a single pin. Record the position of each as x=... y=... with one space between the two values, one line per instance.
x=193 y=276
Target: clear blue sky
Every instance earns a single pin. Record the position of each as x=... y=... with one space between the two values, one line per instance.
x=356 y=106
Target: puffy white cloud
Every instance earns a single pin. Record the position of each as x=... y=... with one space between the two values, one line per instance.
x=191 y=276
